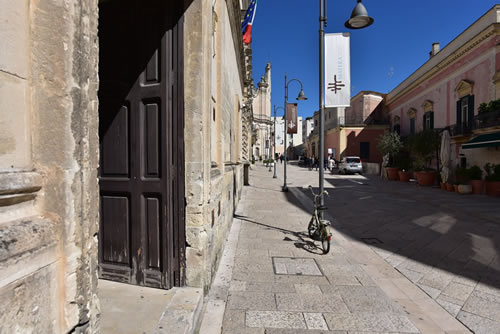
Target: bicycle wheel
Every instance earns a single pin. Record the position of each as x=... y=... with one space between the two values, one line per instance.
x=325 y=239
x=311 y=228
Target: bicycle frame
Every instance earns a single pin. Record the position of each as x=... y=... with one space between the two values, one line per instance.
x=319 y=227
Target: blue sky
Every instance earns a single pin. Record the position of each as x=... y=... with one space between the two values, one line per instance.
x=285 y=32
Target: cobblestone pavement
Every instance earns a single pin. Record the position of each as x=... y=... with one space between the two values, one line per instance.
x=273 y=278
x=445 y=243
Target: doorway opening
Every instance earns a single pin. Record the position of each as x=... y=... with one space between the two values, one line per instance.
x=141 y=137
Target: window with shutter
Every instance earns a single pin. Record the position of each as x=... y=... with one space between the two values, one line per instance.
x=459 y=113
x=465 y=111
x=412 y=126
x=470 y=110
x=429 y=120
x=364 y=150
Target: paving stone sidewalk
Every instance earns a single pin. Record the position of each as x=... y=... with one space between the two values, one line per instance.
x=274 y=279
x=444 y=243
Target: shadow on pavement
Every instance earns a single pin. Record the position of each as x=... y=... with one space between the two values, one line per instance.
x=408 y=231
x=300 y=242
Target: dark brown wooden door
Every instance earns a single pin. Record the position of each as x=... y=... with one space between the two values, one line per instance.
x=141 y=173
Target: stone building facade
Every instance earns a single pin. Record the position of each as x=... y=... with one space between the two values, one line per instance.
x=446 y=91
x=73 y=112
x=354 y=130
x=48 y=166
x=215 y=157
x=262 y=123
x=294 y=140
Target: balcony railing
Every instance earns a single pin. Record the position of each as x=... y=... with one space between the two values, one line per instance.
x=350 y=121
x=461 y=129
x=481 y=121
x=486 y=120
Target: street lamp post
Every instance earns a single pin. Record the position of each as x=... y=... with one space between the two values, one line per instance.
x=274 y=143
x=274 y=155
x=300 y=97
x=270 y=148
x=359 y=19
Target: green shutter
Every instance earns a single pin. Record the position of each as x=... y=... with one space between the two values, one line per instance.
x=471 y=110
x=431 y=115
x=425 y=118
x=459 y=113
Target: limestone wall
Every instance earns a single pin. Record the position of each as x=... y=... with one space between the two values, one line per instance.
x=214 y=132
x=48 y=166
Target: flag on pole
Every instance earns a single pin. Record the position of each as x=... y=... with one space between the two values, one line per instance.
x=246 y=26
x=337 y=70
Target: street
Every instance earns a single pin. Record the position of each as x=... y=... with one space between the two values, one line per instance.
x=404 y=259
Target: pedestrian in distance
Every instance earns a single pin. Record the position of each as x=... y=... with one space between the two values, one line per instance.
x=331 y=163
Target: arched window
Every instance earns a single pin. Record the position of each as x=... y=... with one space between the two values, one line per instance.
x=465 y=106
x=412 y=115
x=428 y=115
x=396 y=124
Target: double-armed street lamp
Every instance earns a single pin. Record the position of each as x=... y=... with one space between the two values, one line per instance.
x=300 y=97
x=359 y=19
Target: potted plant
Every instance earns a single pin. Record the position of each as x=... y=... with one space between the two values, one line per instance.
x=390 y=144
x=476 y=179
x=424 y=146
x=492 y=184
x=451 y=181
x=488 y=111
x=450 y=187
x=404 y=164
x=463 y=179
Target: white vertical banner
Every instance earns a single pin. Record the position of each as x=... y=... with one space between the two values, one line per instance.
x=337 y=70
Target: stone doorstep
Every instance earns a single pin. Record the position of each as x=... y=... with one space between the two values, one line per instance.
x=129 y=308
x=183 y=313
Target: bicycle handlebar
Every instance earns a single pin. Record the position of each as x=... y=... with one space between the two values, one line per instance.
x=317 y=195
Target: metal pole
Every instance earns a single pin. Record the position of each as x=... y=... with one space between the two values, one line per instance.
x=270 y=148
x=285 y=188
x=274 y=155
x=322 y=19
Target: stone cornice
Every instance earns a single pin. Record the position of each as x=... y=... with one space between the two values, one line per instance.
x=18 y=187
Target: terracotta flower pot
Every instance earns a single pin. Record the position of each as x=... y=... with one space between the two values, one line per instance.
x=426 y=178
x=455 y=186
x=477 y=186
x=392 y=173
x=464 y=189
x=404 y=176
x=450 y=187
x=442 y=185
x=492 y=188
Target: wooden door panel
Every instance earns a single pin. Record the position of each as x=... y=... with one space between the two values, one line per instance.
x=151 y=139
x=140 y=209
x=152 y=73
x=153 y=222
x=115 y=141
x=116 y=236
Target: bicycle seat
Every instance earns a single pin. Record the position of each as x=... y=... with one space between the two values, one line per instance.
x=322 y=208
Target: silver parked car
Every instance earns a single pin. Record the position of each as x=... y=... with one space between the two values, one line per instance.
x=350 y=165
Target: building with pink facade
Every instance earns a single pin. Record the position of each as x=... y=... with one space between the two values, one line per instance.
x=446 y=91
x=353 y=131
